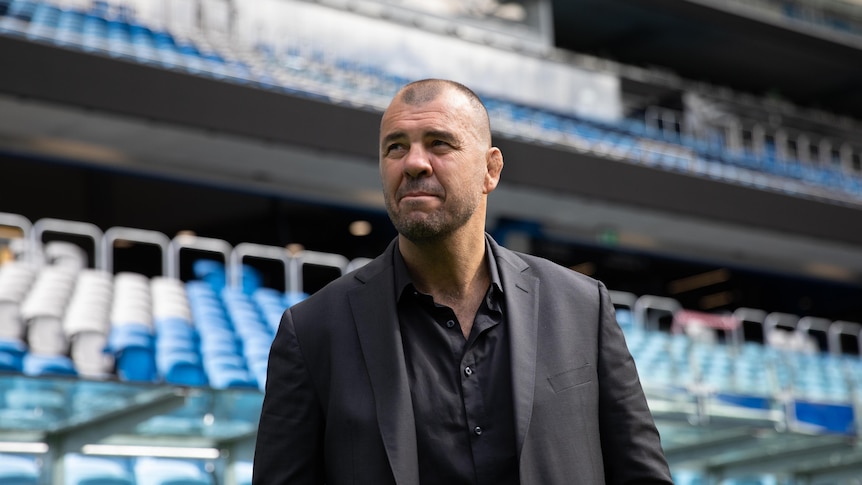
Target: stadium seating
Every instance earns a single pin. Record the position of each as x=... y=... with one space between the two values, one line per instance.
x=634 y=140
x=18 y=470
x=97 y=470
x=830 y=20
x=166 y=471
x=208 y=332
x=60 y=318
x=214 y=330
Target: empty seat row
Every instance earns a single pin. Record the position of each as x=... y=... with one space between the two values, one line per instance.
x=627 y=139
x=60 y=317
x=215 y=330
x=59 y=321
x=103 y=470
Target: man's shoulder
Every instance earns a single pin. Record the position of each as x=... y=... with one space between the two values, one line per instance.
x=544 y=268
x=338 y=289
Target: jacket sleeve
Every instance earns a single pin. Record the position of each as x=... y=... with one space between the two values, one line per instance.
x=289 y=447
x=631 y=446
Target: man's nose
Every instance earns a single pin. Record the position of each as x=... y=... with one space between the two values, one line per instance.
x=417 y=163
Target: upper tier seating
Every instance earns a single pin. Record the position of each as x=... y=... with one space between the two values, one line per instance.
x=117 y=33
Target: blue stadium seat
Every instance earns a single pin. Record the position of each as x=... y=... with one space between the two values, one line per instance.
x=22 y=9
x=219 y=341
x=175 y=332
x=258 y=371
x=48 y=365
x=133 y=348
x=208 y=270
x=181 y=367
x=96 y=470
x=624 y=318
x=687 y=477
x=93 y=28
x=294 y=297
x=242 y=472
x=12 y=353
x=45 y=15
x=18 y=470
x=229 y=375
x=167 y=471
x=178 y=358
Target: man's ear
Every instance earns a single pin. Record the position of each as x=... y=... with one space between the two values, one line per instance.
x=494 y=159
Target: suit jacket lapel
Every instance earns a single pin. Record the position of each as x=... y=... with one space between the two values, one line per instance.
x=376 y=318
x=522 y=311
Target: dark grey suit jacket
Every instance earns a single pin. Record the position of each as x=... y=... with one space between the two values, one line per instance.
x=338 y=410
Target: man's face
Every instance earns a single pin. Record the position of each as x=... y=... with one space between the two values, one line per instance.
x=433 y=164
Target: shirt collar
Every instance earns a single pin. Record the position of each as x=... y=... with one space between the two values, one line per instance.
x=403 y=282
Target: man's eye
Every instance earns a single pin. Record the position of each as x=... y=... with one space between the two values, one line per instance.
x=394 y=147
x=439 y=143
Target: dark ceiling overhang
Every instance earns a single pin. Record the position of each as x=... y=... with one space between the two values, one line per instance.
x=708 y=41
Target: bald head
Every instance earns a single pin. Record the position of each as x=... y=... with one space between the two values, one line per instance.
x=424 y=91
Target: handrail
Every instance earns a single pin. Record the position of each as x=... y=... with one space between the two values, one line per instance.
x=811 y=325
x=803 y=148
x=17 y=221
x=75 y=228
x=781 y=140
x=733 y=136
x=775 y=319
x=26 y=227
x=204 y=244
x=242 y=250
x=846 y=155
x=623 y=299
x=754 y=315
x=304 y=257
x=824 y=155
x=650 y=302
x=758 y=140
x=843 y=327
x=356 y=263
x=130 y=234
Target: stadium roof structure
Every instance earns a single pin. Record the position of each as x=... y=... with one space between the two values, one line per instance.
x=761 y=50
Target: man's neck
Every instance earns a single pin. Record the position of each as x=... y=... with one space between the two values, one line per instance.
x=451 y=270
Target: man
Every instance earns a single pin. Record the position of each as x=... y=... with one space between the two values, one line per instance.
x=449 y=359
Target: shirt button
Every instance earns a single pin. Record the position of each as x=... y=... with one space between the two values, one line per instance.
x=477 y=431
x=450 y=323
x=468 y=370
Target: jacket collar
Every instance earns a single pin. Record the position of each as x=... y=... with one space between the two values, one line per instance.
x=522 y=316
x=376 y=318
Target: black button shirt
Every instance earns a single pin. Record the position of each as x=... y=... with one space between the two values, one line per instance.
x=461 y=388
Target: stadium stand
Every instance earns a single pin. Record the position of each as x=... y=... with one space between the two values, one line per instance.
x=95 y=355
x=805 y=165
x=209 y=333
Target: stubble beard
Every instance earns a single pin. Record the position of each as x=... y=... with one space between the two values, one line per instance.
x=428 y=227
